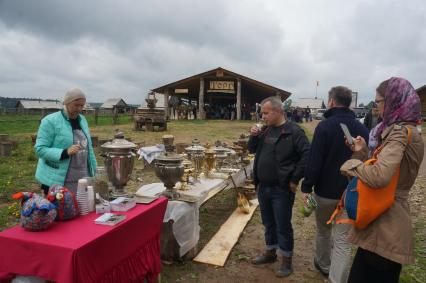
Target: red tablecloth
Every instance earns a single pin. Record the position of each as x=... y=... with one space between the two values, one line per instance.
x=81 y=251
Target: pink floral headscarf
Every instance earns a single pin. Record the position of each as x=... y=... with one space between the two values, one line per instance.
x=402 y=104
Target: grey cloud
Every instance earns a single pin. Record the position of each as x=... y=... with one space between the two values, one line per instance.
x=377 y=40
x=124 y=48
x=128 y=22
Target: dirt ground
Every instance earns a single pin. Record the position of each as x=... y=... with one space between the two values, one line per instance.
x=251 y=242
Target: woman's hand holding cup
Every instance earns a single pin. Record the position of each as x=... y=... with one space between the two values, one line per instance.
x=73 y=149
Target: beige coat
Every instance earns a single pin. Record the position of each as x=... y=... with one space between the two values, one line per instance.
x=390 y=235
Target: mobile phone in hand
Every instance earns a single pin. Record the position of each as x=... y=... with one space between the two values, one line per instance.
x=347 y=133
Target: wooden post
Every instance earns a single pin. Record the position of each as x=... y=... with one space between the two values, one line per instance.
x=238 y=99
x=190 y=109
x=201 y=114
x=95 y=141
x=96 y=113
x=115 y=116
x=5 y=148
x=43 y=112
x=33 y=139
x=166 y=103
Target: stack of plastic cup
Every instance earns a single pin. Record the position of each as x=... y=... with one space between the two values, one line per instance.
x=83 y=197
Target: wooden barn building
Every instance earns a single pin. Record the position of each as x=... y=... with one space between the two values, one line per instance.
x=217 y=93
x=30 y=107
x=113 y=105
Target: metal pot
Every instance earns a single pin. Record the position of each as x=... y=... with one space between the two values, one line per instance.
x=169 y=168
x=119 y=155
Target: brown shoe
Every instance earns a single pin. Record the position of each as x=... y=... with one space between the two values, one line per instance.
x=268 y=256
x=286 y=267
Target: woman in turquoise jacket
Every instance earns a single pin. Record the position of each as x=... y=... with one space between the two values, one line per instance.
x=64 y=145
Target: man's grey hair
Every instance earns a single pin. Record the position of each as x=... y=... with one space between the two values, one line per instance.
x=275 y=102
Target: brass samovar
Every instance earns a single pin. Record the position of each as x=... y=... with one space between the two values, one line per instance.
x=196 y=154
x=209 y=162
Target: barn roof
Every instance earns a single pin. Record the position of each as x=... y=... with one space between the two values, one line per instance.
x=40 y=104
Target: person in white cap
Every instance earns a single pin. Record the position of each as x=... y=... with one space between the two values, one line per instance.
x=64 y=145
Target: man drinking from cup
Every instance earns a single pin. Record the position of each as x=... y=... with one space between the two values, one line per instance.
x=281 y=151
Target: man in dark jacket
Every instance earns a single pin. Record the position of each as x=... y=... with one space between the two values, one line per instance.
x=282 y=150
x=328 y=152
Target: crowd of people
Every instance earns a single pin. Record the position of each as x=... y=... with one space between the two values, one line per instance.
x=298 y=114
x=284 y=157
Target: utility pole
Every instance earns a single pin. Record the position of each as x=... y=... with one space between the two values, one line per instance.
x=316 y=90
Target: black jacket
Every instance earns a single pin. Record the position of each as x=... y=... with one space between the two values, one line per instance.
x=329 y=152
x=291 y=153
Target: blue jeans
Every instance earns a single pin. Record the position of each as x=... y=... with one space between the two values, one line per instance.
x=276 y=205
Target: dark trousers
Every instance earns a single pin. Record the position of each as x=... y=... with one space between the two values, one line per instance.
x=276 y=206
x=370 y=267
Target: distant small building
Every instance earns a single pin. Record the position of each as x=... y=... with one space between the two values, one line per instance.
x=88 y=108
x=95 y=105
x=421 y=91
x=115 y=104
x=8 y=102
x=38 y=106
x=312 y=103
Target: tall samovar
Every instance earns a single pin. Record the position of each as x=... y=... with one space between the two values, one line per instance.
x=221 y=153
x=119 y=155
x=169 y=168
x=209 y=161
x=196 y=154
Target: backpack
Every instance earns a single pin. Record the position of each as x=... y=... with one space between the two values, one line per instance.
x=64 y=201
x=364 y=204
x=37 y=213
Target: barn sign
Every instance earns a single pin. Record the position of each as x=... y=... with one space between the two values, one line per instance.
x=222 y=85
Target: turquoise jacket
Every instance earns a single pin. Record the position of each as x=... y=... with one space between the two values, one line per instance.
x=54 y=135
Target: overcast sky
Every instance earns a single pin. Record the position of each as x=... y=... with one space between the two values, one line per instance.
x=124 y=48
